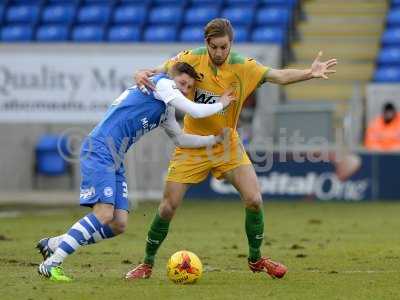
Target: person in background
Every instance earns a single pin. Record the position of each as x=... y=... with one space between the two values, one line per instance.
x=383 y=132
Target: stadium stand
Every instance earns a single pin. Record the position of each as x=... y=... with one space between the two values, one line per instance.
x=263 y=21
x=388 y=60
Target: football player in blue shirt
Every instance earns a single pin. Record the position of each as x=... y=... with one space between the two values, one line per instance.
x=103 y=184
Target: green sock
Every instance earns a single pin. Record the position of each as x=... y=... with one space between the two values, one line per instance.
x=255 y=232
x=156 y=235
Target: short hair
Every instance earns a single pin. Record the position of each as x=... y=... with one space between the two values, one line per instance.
x=218 y=27
x=389 y=106
x=182 y=67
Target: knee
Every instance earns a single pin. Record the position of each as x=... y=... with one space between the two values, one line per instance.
x=254 y=201
x=167 y=208
x=105 y=214
x=118 y=227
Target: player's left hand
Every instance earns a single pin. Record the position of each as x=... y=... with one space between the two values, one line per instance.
x=321 y=69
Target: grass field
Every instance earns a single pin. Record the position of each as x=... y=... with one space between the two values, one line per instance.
x=333 y=251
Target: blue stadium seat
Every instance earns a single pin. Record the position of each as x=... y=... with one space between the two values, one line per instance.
x=168 y=2
x=279 y=3
x=395 y=3
x=130 y=14
x=123 y=34
x=239 y=15
x=165 y=15
x=62 y=14
x=63 y=2
x=268 y=35
x=94 y=14
x=88 y=33
x=391 y=37
x=387 y=74
x=274 y=16
x=241 y=2
x=389 y=56
x=160 y=34
x=25 y=2
x=202 y=3
x=1 y=11
x=241 y=34
x=192 y=34
x=135 y=2
x=49 y=152
x=201 y=15
x=16 y=33
x=22 y=14
x=393 y=17
x=52 y=33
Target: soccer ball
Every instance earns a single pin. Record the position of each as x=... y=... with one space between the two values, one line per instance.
x=184 y=267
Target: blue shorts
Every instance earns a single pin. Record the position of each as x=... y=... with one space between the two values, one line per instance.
x=101 y=181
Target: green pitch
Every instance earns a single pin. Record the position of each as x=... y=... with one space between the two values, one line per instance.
x=332 y=250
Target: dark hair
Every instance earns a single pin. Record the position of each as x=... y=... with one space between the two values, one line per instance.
x=182 y=67
x=388 y=106
x=218 y=27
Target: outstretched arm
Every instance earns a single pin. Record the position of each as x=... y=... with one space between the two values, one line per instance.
x=167 y=91
x=181 y=139
x=318 y=69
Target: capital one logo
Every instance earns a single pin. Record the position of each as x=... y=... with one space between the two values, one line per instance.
x=325 y=186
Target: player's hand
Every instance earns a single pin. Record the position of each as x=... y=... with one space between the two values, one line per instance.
x=227 y=97
x=321 y=69
x=224 y=135
x=143 y=82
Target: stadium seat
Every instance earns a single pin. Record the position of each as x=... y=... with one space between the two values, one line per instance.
x=27 y=14
x=387 y=74
x=395 y=3
x=239 y=15
x=274 y=16
x=391 y=37
x=51 y=154
x=135 y=2
x=241 y=34
x=62 y=14
x=130 y=14
x=16 y=33
x=1 y=12
x=389 y=56
x=160 y=34
x=88 y=33
x=241 y=2
x=163 y=15
x=94 y=14
x=168 y=2
x=191 y=34
x=123 y=34
x=201 y=3
x=393 y=17
x=268 y=35
x=200 y=15
x=279 y=3
x=52 y=33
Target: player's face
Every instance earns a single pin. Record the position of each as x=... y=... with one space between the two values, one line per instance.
x=218 y=49
x=184 y=83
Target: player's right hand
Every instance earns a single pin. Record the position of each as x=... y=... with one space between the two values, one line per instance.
x=224 y=135
x=143 y=82
x=227 y=97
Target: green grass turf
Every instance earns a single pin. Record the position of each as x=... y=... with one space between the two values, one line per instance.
x=333 y=251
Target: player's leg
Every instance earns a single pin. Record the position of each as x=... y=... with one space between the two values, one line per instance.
x=98 y=190
x=173 y=195
x=244 y=179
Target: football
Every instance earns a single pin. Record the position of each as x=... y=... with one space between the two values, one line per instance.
x=184 y=267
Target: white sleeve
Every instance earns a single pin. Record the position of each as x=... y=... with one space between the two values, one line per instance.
x=181 y=139
x=167 y=91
